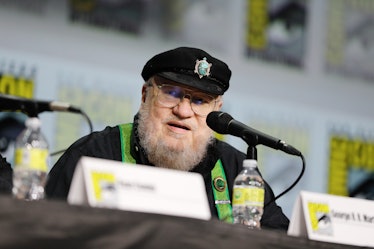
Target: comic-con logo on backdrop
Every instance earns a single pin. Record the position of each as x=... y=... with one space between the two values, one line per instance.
x=17 y=79
x=351 y=166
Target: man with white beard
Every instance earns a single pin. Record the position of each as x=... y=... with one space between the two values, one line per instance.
x=181 y=87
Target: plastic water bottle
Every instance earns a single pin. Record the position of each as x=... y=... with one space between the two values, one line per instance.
x=30 y=162
x=248 y=196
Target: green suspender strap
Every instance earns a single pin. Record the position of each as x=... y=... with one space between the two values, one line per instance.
x=221 y=193
x=125 y=133
x=219 y=183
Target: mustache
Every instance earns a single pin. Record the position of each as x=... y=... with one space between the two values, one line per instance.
x=171 y=119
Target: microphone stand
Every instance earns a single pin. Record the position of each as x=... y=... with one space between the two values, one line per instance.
x=252 y=152
x=252 y=141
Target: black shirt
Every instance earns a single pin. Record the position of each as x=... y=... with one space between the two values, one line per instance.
x=106 y=144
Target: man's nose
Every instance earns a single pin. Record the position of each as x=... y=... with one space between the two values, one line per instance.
x=184 y=108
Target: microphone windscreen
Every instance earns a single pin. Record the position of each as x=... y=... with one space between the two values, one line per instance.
x=219 y=121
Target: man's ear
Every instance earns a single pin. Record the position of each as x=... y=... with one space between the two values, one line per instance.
x=144 y=92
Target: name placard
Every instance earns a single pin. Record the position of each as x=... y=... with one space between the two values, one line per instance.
x=333 y=219
x=112 y=184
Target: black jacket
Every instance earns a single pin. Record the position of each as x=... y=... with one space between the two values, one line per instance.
x=106 y=144
x=6 y=174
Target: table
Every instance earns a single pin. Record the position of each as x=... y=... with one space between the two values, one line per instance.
x=56 y=224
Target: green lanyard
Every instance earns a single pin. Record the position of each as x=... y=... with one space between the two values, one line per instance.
x=221 y=193
x=125 y=134
x=219 y=182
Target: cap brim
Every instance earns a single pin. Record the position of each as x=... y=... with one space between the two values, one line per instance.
x=204 y=84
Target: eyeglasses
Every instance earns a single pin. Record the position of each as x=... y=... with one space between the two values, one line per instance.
x=171 y=95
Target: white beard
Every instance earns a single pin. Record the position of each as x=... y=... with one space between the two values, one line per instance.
x=162 y=155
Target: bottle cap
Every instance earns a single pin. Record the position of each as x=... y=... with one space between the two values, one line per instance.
x=250 y=163
x=33 y=123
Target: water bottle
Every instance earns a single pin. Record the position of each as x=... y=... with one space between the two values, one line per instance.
x=30 y=162
x=248 y=196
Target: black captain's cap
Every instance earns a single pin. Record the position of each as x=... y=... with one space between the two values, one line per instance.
x=192 y=67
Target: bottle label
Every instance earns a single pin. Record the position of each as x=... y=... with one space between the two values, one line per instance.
x=36 y=159
x=248 y=196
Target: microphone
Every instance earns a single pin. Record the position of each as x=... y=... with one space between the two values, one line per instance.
x=33 y=107
x=223 y=123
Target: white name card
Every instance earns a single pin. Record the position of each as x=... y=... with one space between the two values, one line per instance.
x=112 y=184
x=335 y=219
